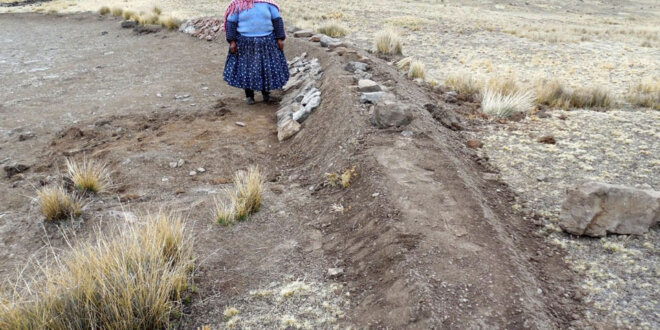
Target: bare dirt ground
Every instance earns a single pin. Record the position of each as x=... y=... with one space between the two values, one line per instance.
x=425 y=241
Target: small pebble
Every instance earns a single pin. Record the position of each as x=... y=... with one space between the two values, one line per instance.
x=193 y=173
x=240 y=123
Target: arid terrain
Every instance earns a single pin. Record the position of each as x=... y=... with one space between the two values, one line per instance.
x=430 y=233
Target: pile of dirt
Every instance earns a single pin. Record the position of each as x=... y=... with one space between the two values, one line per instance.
x=422 y=239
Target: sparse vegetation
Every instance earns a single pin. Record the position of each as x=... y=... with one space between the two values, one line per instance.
x=116 y=11
x=463 y=84
x=130 y=281
x=417 y=70
x=332 y=30
x=504 y=85
x=169 y=22
x=409 y=22
x=88 y=176
x=500 y=105
x=148 y=19
x=244 y=198
x=554 y=94
x=645 y=94
x=388 y=42
x=105 y=10
x=57 y=204
x=344 y=179
x=130 y=15
x=157 y=10
x=404 y=63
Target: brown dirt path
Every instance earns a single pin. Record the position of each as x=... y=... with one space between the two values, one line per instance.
x=425 y=242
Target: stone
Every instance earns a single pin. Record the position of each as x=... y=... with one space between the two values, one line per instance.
x=128 y=24
x=316 y=38
x=14 y=169
x=240 y=123
x=327 y=41
x=445 y=117
x=353 y=66
x=474 y=144
x=596 y=209
x=173 y=165
x=368 y=86
x=284 y=112
x=359 y=74
x=26 y=136
x=335 y=272
x=147 y=29
x=341 y=51
x=287 y=128
x=201 y=170
x=192 y=173
x=372 y=98
x=303 y=34
x=548 y=139
x=391 y=115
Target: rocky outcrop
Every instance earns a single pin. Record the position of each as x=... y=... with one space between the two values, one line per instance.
x=596 y=209
x=391 y=115
x=206 y=28
x=302 y=96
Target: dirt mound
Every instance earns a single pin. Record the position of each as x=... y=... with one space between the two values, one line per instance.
x=423 y=240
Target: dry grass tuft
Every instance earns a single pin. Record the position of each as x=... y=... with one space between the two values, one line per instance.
x=503 y=85
x=244 y=199
x=463 y=83
x=412 y=23
x=169 y=22
x=332 y=30
x=131 y=15
x=554 y=94
x=344 y=179
x=157 y=10
x=105 y=10
x=388 y=42
x=499 y=105
x=88 y=176
x=646 y=94
x=148 y=19
x=404 y=63
x=129 y=281
x=57 y=204
x=417 y=70
x=116 y=11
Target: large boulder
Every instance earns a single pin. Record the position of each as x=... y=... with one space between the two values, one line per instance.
x=596 y=209
x=391 y=115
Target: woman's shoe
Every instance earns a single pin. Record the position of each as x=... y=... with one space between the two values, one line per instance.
x=250 y=101
x=271 y=99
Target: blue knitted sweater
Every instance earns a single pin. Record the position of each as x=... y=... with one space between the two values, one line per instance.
x=258 y=21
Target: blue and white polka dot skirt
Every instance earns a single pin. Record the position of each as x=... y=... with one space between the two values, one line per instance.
x=258 y=65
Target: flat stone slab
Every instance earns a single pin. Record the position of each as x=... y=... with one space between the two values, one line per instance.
x=303 y=34
x=368 y=86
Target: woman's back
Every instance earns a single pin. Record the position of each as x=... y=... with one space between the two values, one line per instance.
x=256 y=21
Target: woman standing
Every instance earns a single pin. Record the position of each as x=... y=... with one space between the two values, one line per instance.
x=255 y=32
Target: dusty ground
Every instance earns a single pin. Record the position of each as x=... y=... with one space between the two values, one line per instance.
x=608 y=43
x=425 y=241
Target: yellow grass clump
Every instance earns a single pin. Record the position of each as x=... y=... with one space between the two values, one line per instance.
x=157 y=10
x=388 y=42
x=57 y=204
x=417 y=70
x=88 y=176
x=646 y=94
x=116 y=11
x=169 y=22
x=105 y=10
x=409 y=22
x=506 y=85
x=130 y=15
x=463 y=84
x=554 y=94
x=500 y=105
x=332 y=30
x=130 y=281
x=404 y=63
x=148 y=19
x=244 y=198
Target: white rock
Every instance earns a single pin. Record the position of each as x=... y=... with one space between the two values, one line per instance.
x=201 y=170
x=240 y=123
x=180 y=163
x=192 y=173
x=368 y=86
x=287 y=128
x=335 y=272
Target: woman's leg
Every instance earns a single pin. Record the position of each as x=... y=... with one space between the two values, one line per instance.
x=249 y=96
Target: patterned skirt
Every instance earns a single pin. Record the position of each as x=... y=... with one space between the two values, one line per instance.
x=258 y=65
